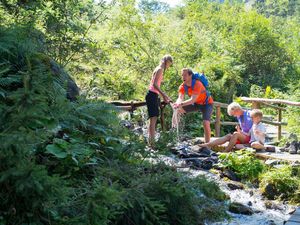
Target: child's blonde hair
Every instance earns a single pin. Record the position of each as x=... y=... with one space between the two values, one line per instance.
x=232 y=107
x=256 y=113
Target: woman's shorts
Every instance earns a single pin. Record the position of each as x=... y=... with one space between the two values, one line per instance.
x=206 y=110
x=152 y=102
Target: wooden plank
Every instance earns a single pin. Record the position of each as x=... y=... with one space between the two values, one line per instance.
x=128 y=105
x=131 y=106
x=273 y=106
x=225 y=123
x=281 y=156
x=126 y=108
x=255 y=105
x=277 y=101
x=263 y=155
x=222 y=105
x=135 y=104
x=122 y=103
x=229 y=123
x=276 y=123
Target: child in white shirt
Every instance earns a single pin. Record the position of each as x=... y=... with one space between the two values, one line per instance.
x=258 y=130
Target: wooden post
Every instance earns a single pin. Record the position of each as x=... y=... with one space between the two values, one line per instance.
x=218 y=121
x=255 y=105
x=131 y=109
x=279 y=126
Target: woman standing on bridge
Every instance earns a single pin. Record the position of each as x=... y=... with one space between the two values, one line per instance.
x=152 y=99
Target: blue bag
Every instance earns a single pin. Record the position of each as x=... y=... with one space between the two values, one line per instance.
x=202 y=78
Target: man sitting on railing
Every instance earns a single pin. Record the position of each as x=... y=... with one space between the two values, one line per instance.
x=241 y=136
x=199 y=100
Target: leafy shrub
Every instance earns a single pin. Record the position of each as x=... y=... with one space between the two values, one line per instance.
x=28 y=194
x=243 y=163
x=171 y=198
x=280 y=183
x=70 y=162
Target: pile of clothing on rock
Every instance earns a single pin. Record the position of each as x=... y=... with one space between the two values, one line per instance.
x=292 y=146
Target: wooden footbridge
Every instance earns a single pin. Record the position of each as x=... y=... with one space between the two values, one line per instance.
x=255 y=102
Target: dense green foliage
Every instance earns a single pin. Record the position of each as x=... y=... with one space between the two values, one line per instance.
x=68 y=162
x=71 y=162
x=237 y=45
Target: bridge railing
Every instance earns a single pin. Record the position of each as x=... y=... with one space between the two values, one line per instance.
x=256 y=104
x=264 y=102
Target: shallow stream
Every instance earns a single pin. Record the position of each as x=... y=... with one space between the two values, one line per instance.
x=251 y=197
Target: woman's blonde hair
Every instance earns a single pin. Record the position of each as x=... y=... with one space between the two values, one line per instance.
x=167 y=58
x=232 y=107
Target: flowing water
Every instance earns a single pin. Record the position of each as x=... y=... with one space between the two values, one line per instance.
x=251 y=197
x=248 y=197
x=175 y=122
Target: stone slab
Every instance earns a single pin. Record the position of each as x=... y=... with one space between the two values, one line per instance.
x=281 y=156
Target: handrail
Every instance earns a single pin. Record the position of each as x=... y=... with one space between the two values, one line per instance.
x=256 y=103
x=274 y=106
x=266 y=100
x=138 y=103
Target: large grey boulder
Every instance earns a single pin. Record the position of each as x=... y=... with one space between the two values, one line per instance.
x=66 y=80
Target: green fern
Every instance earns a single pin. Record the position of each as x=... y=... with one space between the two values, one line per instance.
x=10 y=80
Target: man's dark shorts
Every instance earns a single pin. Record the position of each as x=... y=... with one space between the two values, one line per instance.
x=152 y=102
x=206 y=110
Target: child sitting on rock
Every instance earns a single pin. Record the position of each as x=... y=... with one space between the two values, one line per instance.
x=258 y=130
